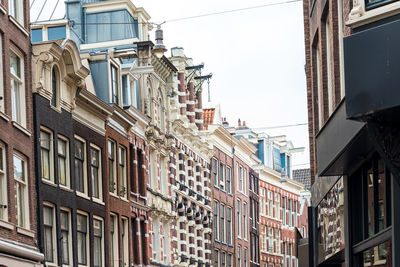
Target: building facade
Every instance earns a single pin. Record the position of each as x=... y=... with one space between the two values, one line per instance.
x=18 y=217
x=190 y=167
x=353 y=131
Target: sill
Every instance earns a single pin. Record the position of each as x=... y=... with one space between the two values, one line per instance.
x=18 y=24
x=113 y=195
x=83 y=195
x=98 y=201
x=26 y=232
x=56 y=109
x=2 y=114
x=21 y=128
x=3 y=9
x=52 y=264
x=6 y=225
x=359 y=16
x=63 y=187
x=124 y=199
x=51 y=183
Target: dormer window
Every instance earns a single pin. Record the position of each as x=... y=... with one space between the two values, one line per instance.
x=129 y=93
x=114 y=85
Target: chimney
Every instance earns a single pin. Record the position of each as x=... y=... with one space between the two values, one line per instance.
x=190 y=105
x=199 y=111
x=239 y=123
x=244 y=123
x=182 y=93
x=225 y=124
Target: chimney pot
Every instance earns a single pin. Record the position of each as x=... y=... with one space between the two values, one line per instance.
x=239 y=123
x=244 y=123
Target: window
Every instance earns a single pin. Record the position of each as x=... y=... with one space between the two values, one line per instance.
x=114 y=240
x=229 y=260
x=216 y=220
x=56 y=33
x=222 y=214
x=228 y=180
x=295 y=213
x=284 y=254
x=3 y=184
x=81 y=185
x=2 y=101
x=270 y=203
x=21 y=182
x=277 y=205
x=124 y=243
x=140 y=177
x=129 y=97
x=238 y=217
x=241 y=179
x=245 y=220
x=17 y=87
x=278 y=238
x=15 y=8
x=277 y=160
x=318 y=83
x=55 y=85
x=370 y=4
x=122 y=172
x=63 y=161
x=271 y=240
x=82 y=239
x=114 y=85
x=95 y=170
x=216 y=257
x=290 y=212
x=328 y=64
x=245 y=257
x=262 y=200
x=290 y=254
x=239 y=256
x=36 y=35
x=223 y=259
x=46 y=154
x=215 y=171
x=163 y=175
x=66 y=240
x=222 y=176
x=284 y=210
x=111 y=166
x=49 y=231
x=98 y=243
x=229 y=228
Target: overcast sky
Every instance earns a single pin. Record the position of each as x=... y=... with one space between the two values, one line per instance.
x=256 y=57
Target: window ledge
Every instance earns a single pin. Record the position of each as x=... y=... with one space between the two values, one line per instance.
x=124 y=199
x=26 y=232
x=3 y=9
x=45 y=181
x=52 y=264
x=3 y=115
x=21 y=128
x=359 y=17
x=18 y=24
x=114 y=195
x=6 y=225
x=56 y=109
x=63 y=187
x=82 y=195
x=99 y=201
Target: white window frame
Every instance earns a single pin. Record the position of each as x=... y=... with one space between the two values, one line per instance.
x=239 y=215
x=70 y=258
x=223 y=221
x=216 y=259
x=245 y=218
x=245 y=260
x=18 y=115
x=97 y=218
x=229 y=185
x=114 y=238
x=51 y=154
x=3 y=182
x=125 y=241
x=215 y=174
x=119 y=94
x=2 y=100
x=216 y=220
x=112 y=189
x=25 y=184
x=222 y=176
x=67 y=162
x=241 y=178
x=230 y=223
x=53 y=232
x=239 y=256
x=85 y=176
x=123 y=183
x=295 y=213
x=56 y=69
x=17 y=11
x=99 y=173
x=163 y=175
x=79 y=212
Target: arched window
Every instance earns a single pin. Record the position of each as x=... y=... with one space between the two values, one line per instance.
x=54 y=86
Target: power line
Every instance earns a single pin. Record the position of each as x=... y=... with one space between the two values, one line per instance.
x=233 y=10
x=185 y=18
x=280 y=126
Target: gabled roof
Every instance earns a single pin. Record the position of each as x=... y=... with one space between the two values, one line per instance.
x=303 y=176
x=208 y=116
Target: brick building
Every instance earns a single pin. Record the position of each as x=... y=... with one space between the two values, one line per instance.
x=18 y=217
x=353 y=130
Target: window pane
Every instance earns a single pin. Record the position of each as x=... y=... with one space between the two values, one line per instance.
x=380 y=255
x=81 y=235
x=62 y=162
x=19 y=172
x=36 y=35
x=15 y=64
x=48 y=233
x=55 y=33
